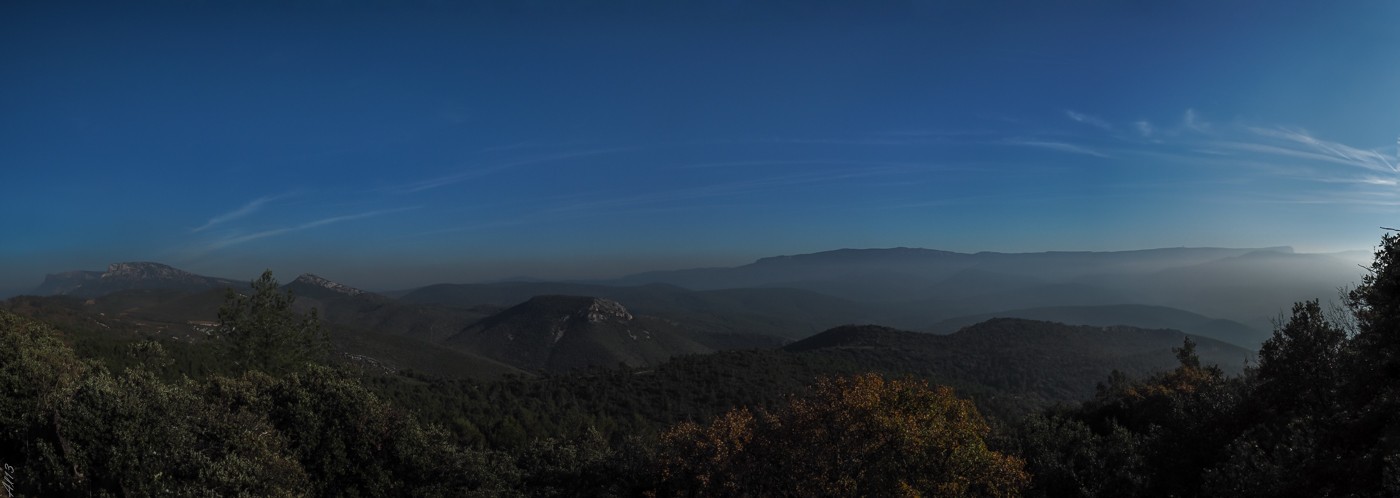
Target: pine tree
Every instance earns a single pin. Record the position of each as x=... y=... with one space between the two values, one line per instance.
x=262 y=332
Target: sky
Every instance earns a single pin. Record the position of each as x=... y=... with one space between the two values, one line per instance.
x=388 y=145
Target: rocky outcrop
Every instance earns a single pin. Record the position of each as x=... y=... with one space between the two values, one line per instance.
x=314 y=280
x=560 y=333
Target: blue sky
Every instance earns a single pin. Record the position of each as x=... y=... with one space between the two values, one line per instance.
x=393 y=144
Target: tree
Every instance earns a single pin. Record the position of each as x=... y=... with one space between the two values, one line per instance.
x=858 y=436
x=1149 y=437
x=1301 y=366
x=263 y=333
x=1318 y=416
x=1376 y=346
x=1186 y=354
x=1376 y=305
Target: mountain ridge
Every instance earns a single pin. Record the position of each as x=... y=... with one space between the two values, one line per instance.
x=127 y=276
x=793 y=296
x=314 y=280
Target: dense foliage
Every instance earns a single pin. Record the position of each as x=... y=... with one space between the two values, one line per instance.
x=72 y=427
x=858 y=436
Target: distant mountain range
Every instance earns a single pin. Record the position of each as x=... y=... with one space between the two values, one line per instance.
x=908 y=273
x=1250 y=286
x=1225 y=294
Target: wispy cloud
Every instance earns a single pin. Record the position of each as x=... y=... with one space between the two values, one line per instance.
x=1365 y=180
x=1191 y=121
x=481 y=171
x=794 y=162
x=1089 y=120
x=1280 y=151
x=750 y=164
x=240 y=239
x=873 y=140
x=1276 y=151
x=251 y=207
x=874 y=170
x=1058 y=146
x=1144 y=128
x=1335 y=199
x=1331 y=151
x=534 y=144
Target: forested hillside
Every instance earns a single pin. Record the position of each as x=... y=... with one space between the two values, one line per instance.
x=267 y=406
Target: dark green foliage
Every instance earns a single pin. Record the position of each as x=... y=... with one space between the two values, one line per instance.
x=584 y=466
x=1376 y=307
x=134 y=435
x=1374 y=394
x=36 y=372
x=1318 y=416
x=261 y=331
x=615 y=402
x=1150 y=437
x=1068 y=458
x=355 y=443
x=1301 y=368
x=76 y=429
x=856 y=436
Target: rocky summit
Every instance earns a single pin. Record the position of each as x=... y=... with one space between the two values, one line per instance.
x=146 y=271
x=314 y=280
